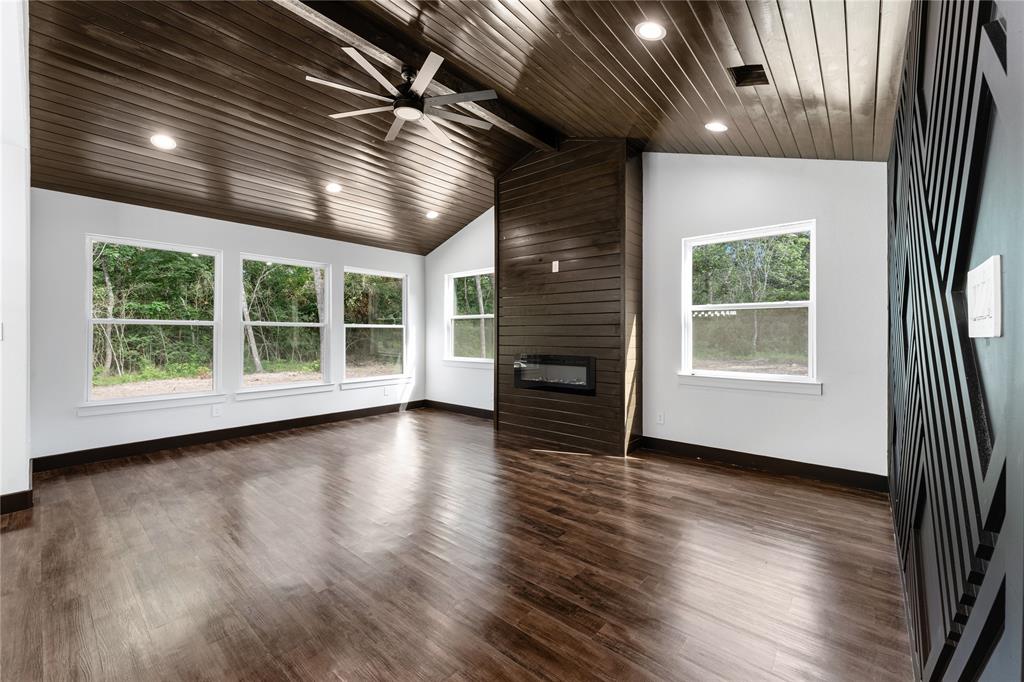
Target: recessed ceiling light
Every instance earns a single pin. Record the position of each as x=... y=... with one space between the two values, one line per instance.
x=716 y=127
x=161 y=141
x=650 y=30
x=432 y=215
x=332 y=187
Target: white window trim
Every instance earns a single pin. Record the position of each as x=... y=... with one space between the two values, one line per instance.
x=123 y=404
x=781 y=382
x=384 y=379
x=324 y=325
x=450 y=317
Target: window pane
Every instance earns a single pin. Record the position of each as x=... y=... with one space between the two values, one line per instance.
x=373 y=352
x=139 y=283
x=133 y=360
x=474 y=295
x=776 y=268
x=770 y=341
x=473 y=338
x=372 y=299
x=281 y=355
x=283 y=293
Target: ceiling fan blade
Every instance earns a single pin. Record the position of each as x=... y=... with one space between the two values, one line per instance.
x=436 y=132
x=393 y=130
x=346 y=88
x=370 y=69
x=456 y=97
x=360 y=112
x=459 y=118
x=426 y=73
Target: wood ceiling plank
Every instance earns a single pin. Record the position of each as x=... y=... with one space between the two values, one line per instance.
x=802 y=41
x=734 y=20
x=248 y=145
x=697 y=55
x=830 y=29
x=303 y=181
x=704 y=20
x=771 y=32
x=862 y=41
x=227 y=79
x=97 y=70
x=696 y=107
x=202 y=59
x=359 y=28
x=892 y=40
x=603 y=48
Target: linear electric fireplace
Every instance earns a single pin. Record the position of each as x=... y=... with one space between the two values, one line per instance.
x=563 y=373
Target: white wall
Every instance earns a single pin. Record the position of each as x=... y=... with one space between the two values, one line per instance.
x=689 y=195
x=60 y=223
x=14 y=247
x=469 y=384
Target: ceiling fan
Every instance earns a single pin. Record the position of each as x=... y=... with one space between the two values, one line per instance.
x=406 y=100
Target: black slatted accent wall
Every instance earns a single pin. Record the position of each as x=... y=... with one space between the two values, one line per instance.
x=957 y=403
x=582 y=206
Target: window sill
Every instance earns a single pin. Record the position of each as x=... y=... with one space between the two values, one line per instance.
x=370 y=382
x=469 y=363
x=798 y=385
x=144 y=404
x=260 y=392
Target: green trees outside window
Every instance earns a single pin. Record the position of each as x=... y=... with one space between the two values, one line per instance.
x=152 y=318
x=471 y=322
x=284 y=320
x=374 y=325
x=751 y=308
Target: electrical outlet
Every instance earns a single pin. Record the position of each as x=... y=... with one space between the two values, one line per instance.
x=660 y=418
x=216 y=410
x=387 y=391
x=554 y=266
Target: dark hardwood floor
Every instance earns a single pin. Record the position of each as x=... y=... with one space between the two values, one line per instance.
x=422 y=546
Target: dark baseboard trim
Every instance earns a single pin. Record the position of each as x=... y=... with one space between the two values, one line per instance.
x=12 y=502
x=461 y=409
x=745 y=460
x=68 y=459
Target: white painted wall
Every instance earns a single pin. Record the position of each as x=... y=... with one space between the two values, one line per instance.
x=14 y=247
x=689 y=195
x=469 y=384
x=60 y=223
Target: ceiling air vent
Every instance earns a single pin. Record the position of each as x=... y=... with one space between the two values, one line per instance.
x=748 y=74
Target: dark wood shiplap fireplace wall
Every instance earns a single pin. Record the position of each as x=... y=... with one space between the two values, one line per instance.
x=581 y=206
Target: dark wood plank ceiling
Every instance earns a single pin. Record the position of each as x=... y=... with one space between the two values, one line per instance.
x=256 y=146
x=833 y=69
x=254 y=141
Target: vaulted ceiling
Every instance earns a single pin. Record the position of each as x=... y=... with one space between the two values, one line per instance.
x=255 y=144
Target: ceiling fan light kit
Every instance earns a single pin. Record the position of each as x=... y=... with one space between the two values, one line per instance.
x=407 y=100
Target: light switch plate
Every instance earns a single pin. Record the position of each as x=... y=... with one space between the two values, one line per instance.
x=985 y=299
x=554 y=266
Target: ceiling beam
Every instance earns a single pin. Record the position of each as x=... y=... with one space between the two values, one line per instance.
x=377 y=41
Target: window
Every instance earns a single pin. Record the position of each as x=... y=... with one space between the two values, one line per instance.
x=748 y=303
x=284 y=322
x=152 y=319
x=469 y=309
x=374 y=324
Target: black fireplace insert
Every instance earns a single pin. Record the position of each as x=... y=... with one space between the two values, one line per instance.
x=562 y=373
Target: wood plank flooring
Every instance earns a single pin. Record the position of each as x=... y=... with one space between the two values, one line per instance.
x=422 y=546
